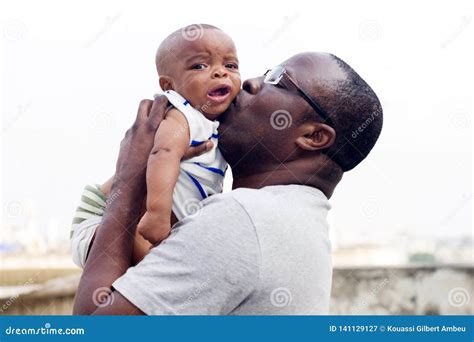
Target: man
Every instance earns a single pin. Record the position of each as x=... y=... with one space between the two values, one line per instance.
x=263 y=248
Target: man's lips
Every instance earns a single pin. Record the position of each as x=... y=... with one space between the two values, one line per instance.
x=242 y=100
x=219 y=94
x=233 y=109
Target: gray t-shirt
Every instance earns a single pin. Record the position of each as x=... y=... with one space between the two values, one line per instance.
x=247 y=252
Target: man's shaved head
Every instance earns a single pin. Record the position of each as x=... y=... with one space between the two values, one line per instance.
x=357 y=115
x=171 y=47
x=305 y=149
x=351 y=103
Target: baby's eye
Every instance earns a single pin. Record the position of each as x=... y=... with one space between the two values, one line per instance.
x=199 y=66
x=232 y=66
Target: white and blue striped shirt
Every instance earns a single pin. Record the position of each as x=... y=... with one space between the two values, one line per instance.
x=203 y=175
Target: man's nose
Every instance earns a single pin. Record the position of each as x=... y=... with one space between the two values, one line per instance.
x=252 y=85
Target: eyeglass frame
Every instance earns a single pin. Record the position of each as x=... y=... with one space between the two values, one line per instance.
x=317 y=108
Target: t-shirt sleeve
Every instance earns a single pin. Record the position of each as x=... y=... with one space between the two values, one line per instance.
x=207 y=266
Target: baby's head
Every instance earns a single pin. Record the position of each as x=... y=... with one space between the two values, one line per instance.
x=200 y=62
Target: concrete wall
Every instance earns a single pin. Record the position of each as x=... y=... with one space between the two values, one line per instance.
x=437 y=290
x=431 y=290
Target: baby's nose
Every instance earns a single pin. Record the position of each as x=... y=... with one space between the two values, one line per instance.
x=220 y=72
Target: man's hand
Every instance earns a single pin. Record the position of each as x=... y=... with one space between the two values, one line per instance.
x=111 y=252
x=139 y=139
x=194 y=151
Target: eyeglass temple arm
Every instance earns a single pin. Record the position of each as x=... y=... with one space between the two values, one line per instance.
x=315 y=106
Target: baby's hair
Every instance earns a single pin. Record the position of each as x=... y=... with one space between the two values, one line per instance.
x=164 y=54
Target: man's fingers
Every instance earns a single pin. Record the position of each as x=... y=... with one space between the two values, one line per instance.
x=195 y=151
x=157 y=112
x=143 y=110
x=152 y=111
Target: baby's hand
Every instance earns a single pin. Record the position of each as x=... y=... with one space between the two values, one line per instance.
x=154 y=227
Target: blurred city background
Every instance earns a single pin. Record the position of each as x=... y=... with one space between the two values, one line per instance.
x=401 y=223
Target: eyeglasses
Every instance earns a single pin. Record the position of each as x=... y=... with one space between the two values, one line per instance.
x=275 y=75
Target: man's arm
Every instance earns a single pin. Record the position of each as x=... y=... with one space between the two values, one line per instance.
x=110 y=255
x=107 y=186
x=93 y=202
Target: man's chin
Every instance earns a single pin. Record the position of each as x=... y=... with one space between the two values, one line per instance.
x=232 y=111
x=224 y=117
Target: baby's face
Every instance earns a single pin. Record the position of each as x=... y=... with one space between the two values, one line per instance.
x=206 y=72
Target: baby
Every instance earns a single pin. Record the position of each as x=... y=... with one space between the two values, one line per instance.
x=199 y=74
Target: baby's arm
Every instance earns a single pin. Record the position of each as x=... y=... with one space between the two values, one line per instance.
x=171 y=143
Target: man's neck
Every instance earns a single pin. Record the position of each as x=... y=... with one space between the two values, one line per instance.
x=286 y=175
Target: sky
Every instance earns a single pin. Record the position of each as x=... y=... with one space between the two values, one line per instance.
x=74 y=73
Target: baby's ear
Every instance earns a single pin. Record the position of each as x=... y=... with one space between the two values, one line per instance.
x=166 y=83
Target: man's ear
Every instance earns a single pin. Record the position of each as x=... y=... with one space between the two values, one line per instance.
x=315 y=136
x=166 y=83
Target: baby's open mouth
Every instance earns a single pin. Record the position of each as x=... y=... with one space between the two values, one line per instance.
x=219 y=93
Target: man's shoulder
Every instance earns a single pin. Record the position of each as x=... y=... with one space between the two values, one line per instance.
x=293 y=195
x=218 y=215
x=282 y=202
